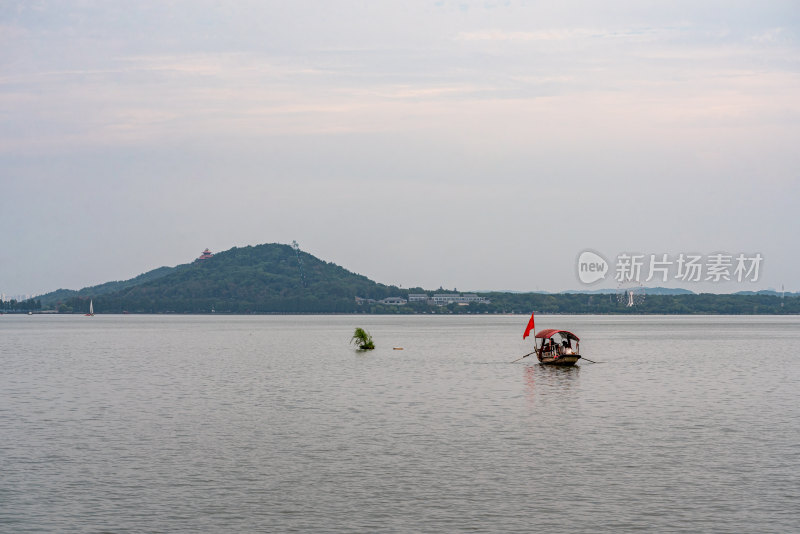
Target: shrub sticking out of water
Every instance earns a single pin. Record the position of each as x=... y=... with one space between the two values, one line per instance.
x=363 y=339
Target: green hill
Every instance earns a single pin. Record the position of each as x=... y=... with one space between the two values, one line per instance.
x=274 y=278
x=62 y=295
x=263 y=278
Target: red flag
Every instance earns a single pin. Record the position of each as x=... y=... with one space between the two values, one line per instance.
x=529 y=328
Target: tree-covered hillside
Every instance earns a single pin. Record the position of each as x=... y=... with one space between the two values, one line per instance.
x=263 y=278
x=62 y=295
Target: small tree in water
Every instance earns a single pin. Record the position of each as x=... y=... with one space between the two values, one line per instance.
x=362 y=338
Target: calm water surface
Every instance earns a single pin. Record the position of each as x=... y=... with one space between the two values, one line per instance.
x=275 y=424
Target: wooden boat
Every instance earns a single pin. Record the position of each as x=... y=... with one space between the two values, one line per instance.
x=554 y=347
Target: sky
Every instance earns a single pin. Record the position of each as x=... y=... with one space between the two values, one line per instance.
x=476 y=145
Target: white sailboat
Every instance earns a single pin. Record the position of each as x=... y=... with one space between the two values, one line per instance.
x=91 y=309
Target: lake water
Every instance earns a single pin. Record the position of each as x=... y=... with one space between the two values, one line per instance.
x=276 y=424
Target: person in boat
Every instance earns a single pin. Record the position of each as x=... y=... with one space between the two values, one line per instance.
x=567 y=347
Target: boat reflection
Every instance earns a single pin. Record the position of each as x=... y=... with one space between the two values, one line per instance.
x=547 y=383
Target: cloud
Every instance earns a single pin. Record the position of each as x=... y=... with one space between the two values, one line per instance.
x=502 y=35
x=772 y=35
x=570 y=34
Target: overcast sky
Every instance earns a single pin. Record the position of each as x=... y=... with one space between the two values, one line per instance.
x=477 y=145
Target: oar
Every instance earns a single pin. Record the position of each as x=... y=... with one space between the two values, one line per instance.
x=588 y=360
x=518 y=359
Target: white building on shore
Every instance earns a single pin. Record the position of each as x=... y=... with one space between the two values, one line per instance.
x=392 y=301
x=438 y=299
x=443 y=299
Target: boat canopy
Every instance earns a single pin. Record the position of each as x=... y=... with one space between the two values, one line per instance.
x=550 y=332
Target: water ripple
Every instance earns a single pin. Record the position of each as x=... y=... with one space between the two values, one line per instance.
x=272 y=424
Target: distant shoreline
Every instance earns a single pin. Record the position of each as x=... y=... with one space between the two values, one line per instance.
x=378 y=314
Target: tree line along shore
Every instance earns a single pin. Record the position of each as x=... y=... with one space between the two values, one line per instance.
x=276 y=278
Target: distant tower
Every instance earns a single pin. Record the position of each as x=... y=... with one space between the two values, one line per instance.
x=296 y=248
x=205 y=255
x=631 y=296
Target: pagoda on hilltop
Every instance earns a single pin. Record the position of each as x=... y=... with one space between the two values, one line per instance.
x=205 y=255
